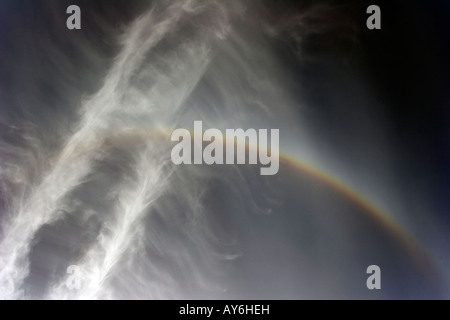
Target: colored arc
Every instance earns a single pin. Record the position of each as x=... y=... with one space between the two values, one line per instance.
x=417 y=253
x=413 y=248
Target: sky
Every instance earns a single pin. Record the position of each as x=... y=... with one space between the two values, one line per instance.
x=87 y=179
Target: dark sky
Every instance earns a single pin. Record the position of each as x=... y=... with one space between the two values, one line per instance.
x=357 y=84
